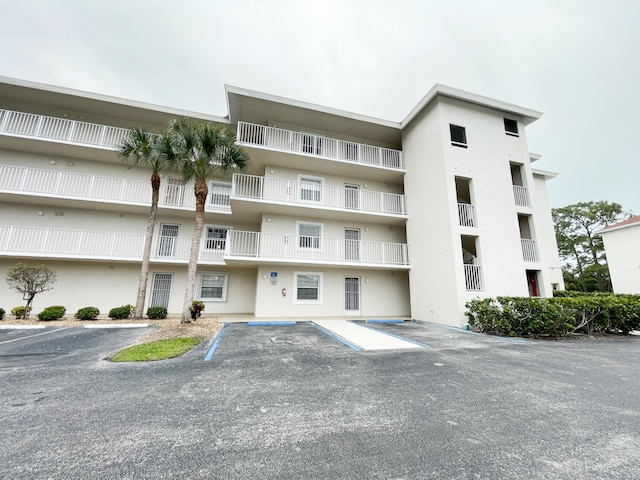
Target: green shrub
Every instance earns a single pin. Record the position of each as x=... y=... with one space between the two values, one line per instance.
x=2 y=312
x=157 y=312
x=19 y=312
x=87 y=313
x=196 y=309
x=118 y=313
x=53 y=312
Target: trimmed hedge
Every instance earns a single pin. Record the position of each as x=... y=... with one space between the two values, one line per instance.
x=19 y=312
x=119 y=313
x=157 y=312
x=87 y=313
x=54 y=312
x=2 y=312
x=584 y=313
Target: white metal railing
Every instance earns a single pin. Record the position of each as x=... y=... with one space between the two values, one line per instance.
x=472 y=277
x=55 y=242
x=278 y=247
x=520 y=196
x=289 y=191
x=466 y=215
x=60 y=129
x=93 y=187
x=529 y=252
x=318 y=146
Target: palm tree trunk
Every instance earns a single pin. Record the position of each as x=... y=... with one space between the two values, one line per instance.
x=201 y=191
x=146 y=254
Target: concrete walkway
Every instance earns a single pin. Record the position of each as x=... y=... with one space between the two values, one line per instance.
x=364 y=337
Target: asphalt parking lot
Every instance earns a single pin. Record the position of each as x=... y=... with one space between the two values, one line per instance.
x=292 y=402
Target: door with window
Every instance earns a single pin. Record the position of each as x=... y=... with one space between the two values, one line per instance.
x=352 y=296
x=161 y=290
x=351 y=197
x=352 y=244
x=532 y=280
x=168 y=237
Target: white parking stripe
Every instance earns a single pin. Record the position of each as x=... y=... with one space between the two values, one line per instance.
x=34 y=335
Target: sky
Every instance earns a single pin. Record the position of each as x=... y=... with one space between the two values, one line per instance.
x=577 y=61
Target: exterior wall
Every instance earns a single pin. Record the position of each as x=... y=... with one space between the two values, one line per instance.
x=623 y=258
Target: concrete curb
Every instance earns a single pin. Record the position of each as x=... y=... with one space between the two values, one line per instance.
x=22 y=327
x=116 y=325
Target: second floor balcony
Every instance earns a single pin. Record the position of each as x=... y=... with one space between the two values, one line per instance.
x=319 y=146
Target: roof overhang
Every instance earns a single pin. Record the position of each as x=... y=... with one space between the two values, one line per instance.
x=544 y=173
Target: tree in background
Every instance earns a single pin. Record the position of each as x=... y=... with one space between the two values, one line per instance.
x=139 y=148
x=580 y=247
x=30 y=280
x=201 y=151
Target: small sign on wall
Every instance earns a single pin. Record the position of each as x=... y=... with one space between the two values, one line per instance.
x=274 y=278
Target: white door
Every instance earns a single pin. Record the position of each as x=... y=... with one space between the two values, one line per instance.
x=352 y=244
x=352 y=295
x=167 y=243
x=161 y=290
x=351 y=197
x=175 y=191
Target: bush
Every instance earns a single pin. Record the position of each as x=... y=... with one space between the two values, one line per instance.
x=118 y=313
x=87 y=313
x=196 y=309
x=53 y=312
x=19 y=312
x=2 y=312
x=157 y=312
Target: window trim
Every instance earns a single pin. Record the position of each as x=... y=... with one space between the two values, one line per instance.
x=511 y=133
x=464 y=136
x=303 y=301
x=225 y=286
x=299 y=237
x=310 y=179
x=212 y=184
x=204 y=240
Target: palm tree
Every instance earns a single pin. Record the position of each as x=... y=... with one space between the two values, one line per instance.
x=139 y=148
x=202 y=150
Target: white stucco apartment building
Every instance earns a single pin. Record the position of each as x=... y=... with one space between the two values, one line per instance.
x=621 y=244
x=340 y=214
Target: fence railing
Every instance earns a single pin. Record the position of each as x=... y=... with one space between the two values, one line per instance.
x=94 y=187
x=305 y=193
x=280 y=247
x=60 y=129
x=466 y=215
x=318 y=146
x=529 y=252
x=473 y=277
x=520 y=196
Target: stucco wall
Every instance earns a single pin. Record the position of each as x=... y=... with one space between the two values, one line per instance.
x=623 y=257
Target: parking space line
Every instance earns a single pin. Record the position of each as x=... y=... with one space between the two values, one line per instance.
x=34 y=335
x=336 y=337
x=420 y=344
x=215 y=343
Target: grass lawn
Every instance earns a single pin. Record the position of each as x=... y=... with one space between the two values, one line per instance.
x=158 y=350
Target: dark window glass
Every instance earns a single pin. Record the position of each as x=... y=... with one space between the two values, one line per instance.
x=510 y=127
x=458 y=136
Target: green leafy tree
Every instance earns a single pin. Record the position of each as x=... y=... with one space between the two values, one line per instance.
x=139 y=148
x=579 y=245
x=202 y=150
x=30 y=280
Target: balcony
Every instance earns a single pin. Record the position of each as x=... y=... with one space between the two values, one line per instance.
x=75 y=186
x=520 y=196
x=84 y=244
x=290 y=141
x=473 y=277
x=466 y=215
x=61 y=130
x=529 y=252
x=316 y=195
x=278 y=248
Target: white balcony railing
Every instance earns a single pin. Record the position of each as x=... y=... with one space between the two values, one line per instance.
x=520 y=195
x=60 y=130
x=326 y=196
x=529 y=252
x=108 y=189
x=55 y=242
x=466 y=215
x=318 y=146
x=472 y=277
x=277 y=247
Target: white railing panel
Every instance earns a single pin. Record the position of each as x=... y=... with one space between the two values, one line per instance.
x=298 y=142
x=520 y=196
x=529 y=252
x=472 y=277
x=466 y=215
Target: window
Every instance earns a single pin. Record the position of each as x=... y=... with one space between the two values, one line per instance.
x=308 y=287
x=511 y=127
x=216 y=237
x=458 y=136
x=310 y=189
x=213 y=286
x=309 y=235
x=220 y=193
